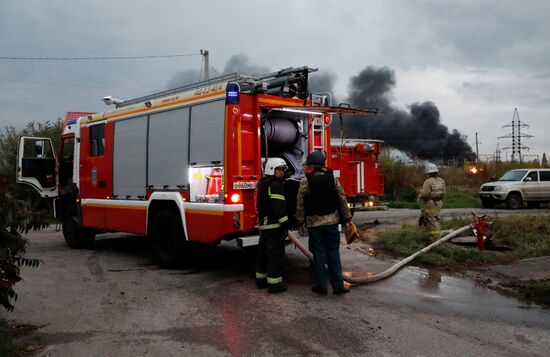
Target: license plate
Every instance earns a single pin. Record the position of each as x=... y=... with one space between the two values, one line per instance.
x=244 y=185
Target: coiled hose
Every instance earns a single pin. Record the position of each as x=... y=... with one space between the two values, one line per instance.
x=365 y=279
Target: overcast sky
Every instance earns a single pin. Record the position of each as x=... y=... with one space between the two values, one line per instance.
x=476 y=60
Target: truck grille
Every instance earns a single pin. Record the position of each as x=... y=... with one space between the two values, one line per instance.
x=488 y=188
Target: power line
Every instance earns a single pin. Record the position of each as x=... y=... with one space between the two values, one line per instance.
x=87 y=84
x=215 y=70
x=94 y=58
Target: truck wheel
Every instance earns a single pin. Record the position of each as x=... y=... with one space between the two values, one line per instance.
x=75 y=235
x=513 y=201
x=487 y=203
x=167 y=239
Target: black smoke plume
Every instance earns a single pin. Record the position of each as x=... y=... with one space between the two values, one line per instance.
x=183 y=78
x=237 y=63
x=321 y=81
x=417 y=131
x=241 y=65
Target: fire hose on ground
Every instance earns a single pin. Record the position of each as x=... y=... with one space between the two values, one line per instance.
x=386 y=273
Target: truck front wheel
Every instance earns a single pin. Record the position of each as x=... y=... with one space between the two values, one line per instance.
x=167 y=239
x=75 y=235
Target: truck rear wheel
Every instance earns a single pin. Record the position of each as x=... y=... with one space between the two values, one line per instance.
x=168 y=239
x=75 y=235
x=513 y=201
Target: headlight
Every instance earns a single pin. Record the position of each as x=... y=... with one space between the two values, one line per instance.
x=498 y=188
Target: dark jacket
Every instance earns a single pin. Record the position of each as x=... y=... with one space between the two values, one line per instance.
x=271 y=204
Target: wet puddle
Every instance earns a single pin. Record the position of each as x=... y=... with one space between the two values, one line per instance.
x=433 y=291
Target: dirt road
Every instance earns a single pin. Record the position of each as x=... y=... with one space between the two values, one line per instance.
x=112 y=301
x=398 y=216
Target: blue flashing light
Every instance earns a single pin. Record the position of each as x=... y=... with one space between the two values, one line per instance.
x=71 y=122
x=232 y=93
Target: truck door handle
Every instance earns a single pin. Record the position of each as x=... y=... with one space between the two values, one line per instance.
x=102 y=184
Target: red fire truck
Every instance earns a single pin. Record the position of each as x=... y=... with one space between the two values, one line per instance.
x=355 y=162
x=180 y=165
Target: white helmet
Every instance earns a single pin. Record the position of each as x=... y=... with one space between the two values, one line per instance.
x=272 y=163
x=431 y=168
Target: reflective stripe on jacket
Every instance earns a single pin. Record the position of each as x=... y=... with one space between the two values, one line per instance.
x=271 y=203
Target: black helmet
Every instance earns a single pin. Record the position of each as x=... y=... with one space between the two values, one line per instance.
x=316 y=158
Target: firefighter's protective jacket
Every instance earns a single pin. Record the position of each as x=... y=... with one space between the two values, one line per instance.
x=431 y=195
x=318 y=216
x=271 y=204
x=433 y=189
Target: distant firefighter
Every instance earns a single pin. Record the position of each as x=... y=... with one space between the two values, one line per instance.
x=430 y=197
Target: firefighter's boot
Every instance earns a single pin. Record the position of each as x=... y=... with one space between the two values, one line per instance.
x=276 y=288
x=261 y=283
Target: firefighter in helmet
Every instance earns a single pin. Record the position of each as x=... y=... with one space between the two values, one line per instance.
x=430 y=197
x=321 y=205
x=273 y=227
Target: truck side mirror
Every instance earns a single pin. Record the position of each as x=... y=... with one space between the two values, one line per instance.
x=527 y=179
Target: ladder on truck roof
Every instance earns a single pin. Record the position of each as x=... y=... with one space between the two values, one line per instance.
x=220 y=79
x=249 y=84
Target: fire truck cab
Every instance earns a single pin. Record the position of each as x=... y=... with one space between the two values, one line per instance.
x=180 y=165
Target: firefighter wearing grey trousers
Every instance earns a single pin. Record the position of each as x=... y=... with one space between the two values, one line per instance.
x=273 y=221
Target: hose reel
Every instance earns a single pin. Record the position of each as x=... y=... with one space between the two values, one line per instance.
x=280 y=133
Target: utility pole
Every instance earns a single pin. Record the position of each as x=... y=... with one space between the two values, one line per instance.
x=204 y=54
x=516 y=136
x=498 y=152
x=477 y=149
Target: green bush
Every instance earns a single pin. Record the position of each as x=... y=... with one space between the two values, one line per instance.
x=16 y=217
x=395 y=187
x=403 y=180
x=21 y=208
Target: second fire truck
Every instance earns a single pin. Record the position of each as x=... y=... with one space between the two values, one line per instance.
x=355 y=162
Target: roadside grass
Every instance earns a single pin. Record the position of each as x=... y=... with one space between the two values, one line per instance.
x=410 y=239
x=460 y=199
x=527 y=236
x=535 y=290
x=403 y=204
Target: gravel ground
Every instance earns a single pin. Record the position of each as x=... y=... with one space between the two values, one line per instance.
x=111 y=300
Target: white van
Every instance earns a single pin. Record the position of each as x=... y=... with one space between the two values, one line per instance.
x=517 y=187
